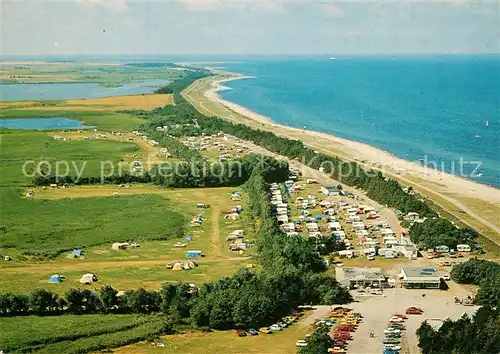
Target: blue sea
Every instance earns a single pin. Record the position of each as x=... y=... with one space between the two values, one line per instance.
x=442 y=109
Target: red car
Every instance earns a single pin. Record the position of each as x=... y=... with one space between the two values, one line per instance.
x=342 y=335
x=241 y=333
x=346 y=328
x=339 y=343
x=414 y=311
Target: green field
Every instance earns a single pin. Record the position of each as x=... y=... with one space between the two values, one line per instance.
x=18 y=148
x=49 y=226
x=75 y=334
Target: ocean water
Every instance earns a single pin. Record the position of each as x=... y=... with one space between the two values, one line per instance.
x=65 y=91
x=432 y=108
x=42 y=124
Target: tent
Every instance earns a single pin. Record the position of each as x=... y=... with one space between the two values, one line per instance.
x=56 y=279
x=177 y=266
x=76 y=253
x=88 y=278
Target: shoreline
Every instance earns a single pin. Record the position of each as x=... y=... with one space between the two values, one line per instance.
x=437 y=182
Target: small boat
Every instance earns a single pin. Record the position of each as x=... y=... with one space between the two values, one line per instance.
x=487 y=124
x=333 y=58
x=479 y=175
x=477 y=136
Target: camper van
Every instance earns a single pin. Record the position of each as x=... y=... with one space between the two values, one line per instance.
x=390 y=254
x=463 y=248
x=443 y=249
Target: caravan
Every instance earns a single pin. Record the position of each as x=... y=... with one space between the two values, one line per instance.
x=463 y=248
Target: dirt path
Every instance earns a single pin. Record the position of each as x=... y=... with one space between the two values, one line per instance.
x=215 y=246
x=95 y=265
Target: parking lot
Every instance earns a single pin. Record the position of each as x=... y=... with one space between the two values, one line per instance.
x=377 y=310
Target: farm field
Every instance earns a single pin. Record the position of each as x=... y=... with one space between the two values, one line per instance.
x=72 y=334
x=138 y=214
x=110 y=73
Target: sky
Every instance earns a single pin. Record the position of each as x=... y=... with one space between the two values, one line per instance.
x=154 y=27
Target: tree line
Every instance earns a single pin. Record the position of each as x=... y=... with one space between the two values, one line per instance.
x=479 y=335
x=480 y=272
x=195 y=174
x=438 y=231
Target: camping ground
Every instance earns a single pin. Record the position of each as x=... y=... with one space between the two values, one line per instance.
x=143 y=266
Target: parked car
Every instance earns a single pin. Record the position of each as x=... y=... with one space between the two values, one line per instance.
x=342 y=336
x=400 y=315
x=414 y=311
x=282 y=324
x=370 y=258
x=253 y=332
x=301 y=343
x=265 y=330
x=389 y=340
x=391 y=330
x=399 y=326
x=241 y=333
x=336 y=350
x=275 y=328
x=392 y=347
x=169 y=266
x=395 y=319
x=445 y=277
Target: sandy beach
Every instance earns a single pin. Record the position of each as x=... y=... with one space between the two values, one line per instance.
x=467 y=196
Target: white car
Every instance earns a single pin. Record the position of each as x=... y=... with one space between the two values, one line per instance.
x=391 y=330
x=396 y=319
x=370 y=258
x=301 y=343
x=392 y=347
x=445 y=277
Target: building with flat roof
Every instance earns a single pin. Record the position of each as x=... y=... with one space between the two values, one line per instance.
x=361 y=277
x=420 y=278
x=330 y=190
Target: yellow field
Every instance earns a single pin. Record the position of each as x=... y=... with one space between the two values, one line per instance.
x=115 y=103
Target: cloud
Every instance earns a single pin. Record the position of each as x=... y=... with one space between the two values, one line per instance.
x=331 y=10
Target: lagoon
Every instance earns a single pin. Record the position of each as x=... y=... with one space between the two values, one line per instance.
x=77 y=90
x=42 y=124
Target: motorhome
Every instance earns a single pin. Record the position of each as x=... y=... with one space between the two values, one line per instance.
x=463 y=248
x=443 y=249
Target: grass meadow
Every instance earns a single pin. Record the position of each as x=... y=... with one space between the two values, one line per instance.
x=74 y=334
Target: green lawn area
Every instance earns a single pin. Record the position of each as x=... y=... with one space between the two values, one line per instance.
x=53 y=225
x=74 y=334
x=83 y=155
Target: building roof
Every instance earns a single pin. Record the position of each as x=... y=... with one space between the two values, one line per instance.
x=360 y=274
x=420 y=273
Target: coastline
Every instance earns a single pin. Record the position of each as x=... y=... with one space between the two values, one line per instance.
x=451 y=188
